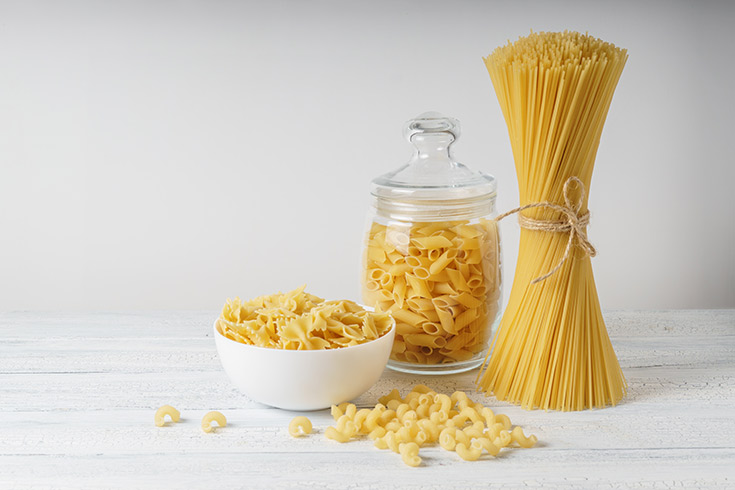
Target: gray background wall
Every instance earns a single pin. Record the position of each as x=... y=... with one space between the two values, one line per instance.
x=158 y=155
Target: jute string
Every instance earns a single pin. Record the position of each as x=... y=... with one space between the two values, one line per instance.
x=573 y=223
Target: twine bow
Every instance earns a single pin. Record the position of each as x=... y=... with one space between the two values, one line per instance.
x=572 y=223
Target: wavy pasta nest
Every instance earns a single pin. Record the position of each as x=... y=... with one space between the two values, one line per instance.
x=300 y=321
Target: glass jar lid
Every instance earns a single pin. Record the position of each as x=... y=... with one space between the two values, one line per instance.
x=432 y=180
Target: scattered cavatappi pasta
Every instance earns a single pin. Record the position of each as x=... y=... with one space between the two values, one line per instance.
x=425 y=417
x=300 y=321
x=299 y=426
x=441 y=283
x=213 y=416
x=159 y=417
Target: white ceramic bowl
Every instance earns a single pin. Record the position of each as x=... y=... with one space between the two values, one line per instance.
x=304 y=379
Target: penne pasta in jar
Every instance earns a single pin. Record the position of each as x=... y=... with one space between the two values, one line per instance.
x=451 y=314
x=431 y=255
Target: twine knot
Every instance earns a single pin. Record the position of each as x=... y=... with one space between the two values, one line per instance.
x=573 y=223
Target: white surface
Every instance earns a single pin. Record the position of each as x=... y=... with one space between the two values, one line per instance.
x=78 y=394
x=132 y=133
x=304 y=380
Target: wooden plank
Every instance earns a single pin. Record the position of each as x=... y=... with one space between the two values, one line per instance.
x=135 y=356
x=132 y=431
x=662 y=468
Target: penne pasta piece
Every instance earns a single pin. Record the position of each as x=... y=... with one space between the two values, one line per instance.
x=407 y=316
x=399 y=291
x=419 y=286
x=443 y=260
x=420 y=304
x=404 y=329
x=432 y=328
x=431 y=242
x=467 y=300
x=447 y=320
x=422 y=273
x=469 y=243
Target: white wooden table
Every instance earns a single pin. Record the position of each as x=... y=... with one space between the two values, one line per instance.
x=78 y=393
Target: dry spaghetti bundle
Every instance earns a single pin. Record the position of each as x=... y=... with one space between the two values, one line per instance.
x=552 y=350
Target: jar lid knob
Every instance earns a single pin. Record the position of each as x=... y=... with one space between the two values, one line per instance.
x=431 y=122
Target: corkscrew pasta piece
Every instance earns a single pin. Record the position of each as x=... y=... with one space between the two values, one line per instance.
x=486 y=444
x=444 y=401
x=430 y=429
x=213 y=416
x=159 y=417
x=518 y=436
x=503 y=419
x=387 y=416
x=393 y=426
x=376 y=433
x=335 y=435
x=488 y=415
x=468 y=453
x=389 y=441
x=410 y=453
x=380 y=442
x=474 y=431
x=494 y=429
x=466 y=414
x=461 y=437
x=439 y=417
x=447 y=438
x=300 y=321
x=503 y=439
x=441 y=283
x=299 y=426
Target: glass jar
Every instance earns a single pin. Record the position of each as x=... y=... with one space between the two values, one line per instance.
x=432 y=254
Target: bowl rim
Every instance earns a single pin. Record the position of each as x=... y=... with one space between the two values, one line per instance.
x=308 y=351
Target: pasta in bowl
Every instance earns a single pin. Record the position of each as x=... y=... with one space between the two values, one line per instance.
x=298 y=352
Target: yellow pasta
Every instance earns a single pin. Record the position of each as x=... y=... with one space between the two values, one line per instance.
x=432 y=242
x=160 y=416
x=410 y=453
x=504 y=438
x=440 y=285
x=552 y=350
x=213 y=416
x=430 y=428
x=299 y=426
x=447 y=439
x=335 y=435
x=377 y=433
x=503 y=419
x=468 y=453
x=300 y=321
x=520 y=438
x=486 y=444
x=388 y=441
x=423 y=417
